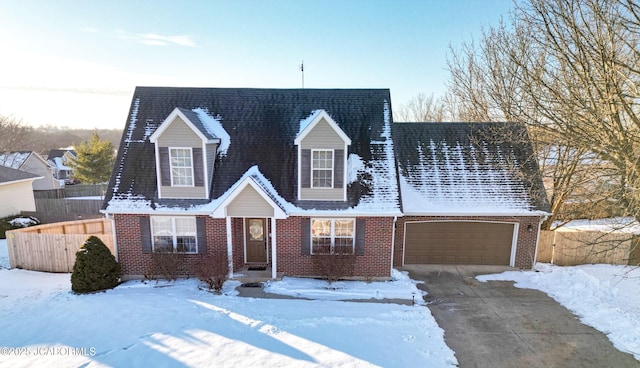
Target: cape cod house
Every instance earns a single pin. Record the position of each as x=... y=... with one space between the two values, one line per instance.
x=272 y=177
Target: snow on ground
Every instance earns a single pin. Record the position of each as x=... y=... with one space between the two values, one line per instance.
x=401 y=287
x=605 y=297
x=4 y=254
x=177 y=324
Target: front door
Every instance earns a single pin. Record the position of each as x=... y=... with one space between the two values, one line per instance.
x=256 y=240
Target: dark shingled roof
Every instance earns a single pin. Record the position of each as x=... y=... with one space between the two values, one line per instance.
x=262 y=125
x=8 y=175
x=467 y=167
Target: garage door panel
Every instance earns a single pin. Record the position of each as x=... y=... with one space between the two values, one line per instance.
x=458 y=243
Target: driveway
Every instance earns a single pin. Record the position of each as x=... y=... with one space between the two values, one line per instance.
x=494 y=324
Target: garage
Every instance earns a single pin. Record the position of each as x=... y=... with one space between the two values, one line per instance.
x=477 y=243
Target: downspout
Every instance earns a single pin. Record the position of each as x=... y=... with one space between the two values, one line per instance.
x=274 y=262
x=229 y=246
x=535 y=255
x=113 y=231
x=393 y=242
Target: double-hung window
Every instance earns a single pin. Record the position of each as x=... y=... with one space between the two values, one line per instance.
x=174 y=234
x=181 y=167
x=333 y=236
x=322 y=168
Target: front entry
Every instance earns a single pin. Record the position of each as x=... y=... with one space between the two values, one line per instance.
x=256 y=240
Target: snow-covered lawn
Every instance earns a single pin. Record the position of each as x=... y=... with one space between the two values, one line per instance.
x=176 y=324
x=605 y=297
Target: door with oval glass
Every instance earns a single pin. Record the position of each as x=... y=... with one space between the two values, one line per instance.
x=256 y=240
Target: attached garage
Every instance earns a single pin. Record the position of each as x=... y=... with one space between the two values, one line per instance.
x=458 y=242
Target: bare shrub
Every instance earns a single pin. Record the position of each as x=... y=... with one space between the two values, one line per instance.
x=164 y=265
x=333 y=267
x=213 y=270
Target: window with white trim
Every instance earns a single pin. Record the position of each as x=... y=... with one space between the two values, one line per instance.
x=181 y=167
x=174 y=234
x=333 y=236
x=322 y=168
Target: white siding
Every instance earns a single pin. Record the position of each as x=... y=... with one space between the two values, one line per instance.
x=16 y=197
x=183 y=192
x=249 y=204
x=178 y=134
x=322 y=137
x=36 y=166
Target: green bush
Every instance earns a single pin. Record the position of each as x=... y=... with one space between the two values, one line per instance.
x=95 y=268
x=16 y=222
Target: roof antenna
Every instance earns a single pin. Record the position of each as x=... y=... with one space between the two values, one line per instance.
x=302 y=70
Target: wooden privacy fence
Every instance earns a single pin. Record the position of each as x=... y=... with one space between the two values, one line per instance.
x=57 y=210
x=570 y=248
x=53 y=247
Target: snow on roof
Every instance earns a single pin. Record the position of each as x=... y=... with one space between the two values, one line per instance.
x=267 y=141
x=214 y=127
x=57 y=161
x=14 y=159
x=382 y=170
x=450 y=186
x=127 y=140
x=306 y=121
x=460 y=169
x=626 y=225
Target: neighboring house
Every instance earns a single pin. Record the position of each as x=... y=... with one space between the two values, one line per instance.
x=61 y=159
x=16 y=191
x=33 y=163
x=273 y=177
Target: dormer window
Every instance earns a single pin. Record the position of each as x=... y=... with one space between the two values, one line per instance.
x=181 y=167
x=322 y=169
x=187 y=144
x=322 y=159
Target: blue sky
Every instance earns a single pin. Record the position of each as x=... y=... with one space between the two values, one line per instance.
x=76 y=63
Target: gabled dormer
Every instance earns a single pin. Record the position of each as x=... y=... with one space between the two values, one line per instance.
x=322 y=159
x=186 y=144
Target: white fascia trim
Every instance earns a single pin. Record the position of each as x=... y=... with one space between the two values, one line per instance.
x=221 y=210
x=341 y=214
x=494 y=214
x=319 y=116
x=158 y=169
x=344 y=171
x=21 y=180
x=169 y=120
x=157 y=213
x=207 y=181
x=300 y=172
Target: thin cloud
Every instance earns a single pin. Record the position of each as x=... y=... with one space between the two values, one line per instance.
x=155 y=39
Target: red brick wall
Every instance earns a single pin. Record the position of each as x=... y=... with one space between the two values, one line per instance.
x=237 y=228
x=526 y=243
x=374 y=263
x=134 y=263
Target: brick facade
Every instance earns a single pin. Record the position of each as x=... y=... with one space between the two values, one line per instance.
x=136 y=264
x=526 y=242
x=375 y=262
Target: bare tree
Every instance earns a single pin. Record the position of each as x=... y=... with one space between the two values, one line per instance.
x=422 y=108
x=570 y=69
x=14 y=134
